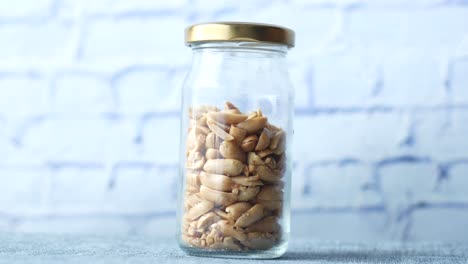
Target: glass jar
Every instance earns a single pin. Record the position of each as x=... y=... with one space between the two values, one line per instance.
x=236 y=132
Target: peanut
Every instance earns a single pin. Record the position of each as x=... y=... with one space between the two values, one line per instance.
x=229 y=167
x=263 y=140
x=249 y=143
x=212 y=153
x=253 y=125
x=217 y=197
x=251 y=216
x=237 y=209
x=199 y=209
x=238 y=134
x=226 y=117
x=216 y=181
x=218 y=130
x=230 y=150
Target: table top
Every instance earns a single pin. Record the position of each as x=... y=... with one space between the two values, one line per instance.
x=52 y=248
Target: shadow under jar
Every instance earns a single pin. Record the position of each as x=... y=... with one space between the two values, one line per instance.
x=235 y=152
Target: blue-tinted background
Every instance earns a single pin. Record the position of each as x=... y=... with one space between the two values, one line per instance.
x=89 y=106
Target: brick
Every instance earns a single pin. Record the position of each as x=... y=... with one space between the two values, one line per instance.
x=298 y=182
x=23 y=190
x=201 y=10
x=454 y=188
x=406 y=182
x=441 y=134
x=94 y=96
x=341 y=135
x=400 y=3
x=143 y=189
x=143 y=90
x=310 y=36
x=459 y=82
x=4 y=142
x=339 y=186
x=356 y=83
x=411 y=77
x=81 y=139
x=44 y=42
x=25 y=9
x=439 y=224
x=136 y=39
x=341 y=226
x=302 y=85
x=392 y=29
x=23 y=95
x=75 y=225
x=138 y=7
x=78 y=189
x=160 y=139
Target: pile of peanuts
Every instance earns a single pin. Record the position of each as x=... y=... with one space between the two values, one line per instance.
x=234 y=193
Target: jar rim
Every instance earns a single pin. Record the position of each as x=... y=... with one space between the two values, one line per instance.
x=239 y=32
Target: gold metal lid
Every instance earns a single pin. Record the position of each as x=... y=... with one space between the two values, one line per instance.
x=238 y=31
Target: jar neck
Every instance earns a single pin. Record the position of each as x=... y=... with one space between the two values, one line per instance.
x=248 y=57
x=258 y=48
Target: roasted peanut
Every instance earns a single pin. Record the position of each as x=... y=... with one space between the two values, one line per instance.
x=270 y=205
x=222 y=214
x=199 y=209
x=238 y=134
x=270 y=163
x=245 y=193
x=251 y=216
x=219 y=130
x=247 y=181
x=212 y=154
x=253 y=125
x=270 y=193
x=263 y=140
x=192 y=199
x=227 y=244
x=207 y=219
x=267 y=174
x=226 y=117
x=254 y=159
x=257 y=240
x=216 y=181
x=217 y=197
x=263 y=153
x=267 y=224
x=212 y=141
x=192 y=179
x=202 y=130
x=237 y=209
x=230 y=150
x=228 y=229
x=249 y=143
x=229 y=167
x=195 y=160
x=277 y=138
x=195 y=141
x=231 y=106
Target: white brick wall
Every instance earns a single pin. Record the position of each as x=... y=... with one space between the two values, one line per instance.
x=89 y=102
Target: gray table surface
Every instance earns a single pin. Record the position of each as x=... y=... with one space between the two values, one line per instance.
x=47 y=248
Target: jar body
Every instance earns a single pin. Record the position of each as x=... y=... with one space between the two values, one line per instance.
x=235 y=152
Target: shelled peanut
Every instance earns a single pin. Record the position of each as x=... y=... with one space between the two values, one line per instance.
x=234 y=191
